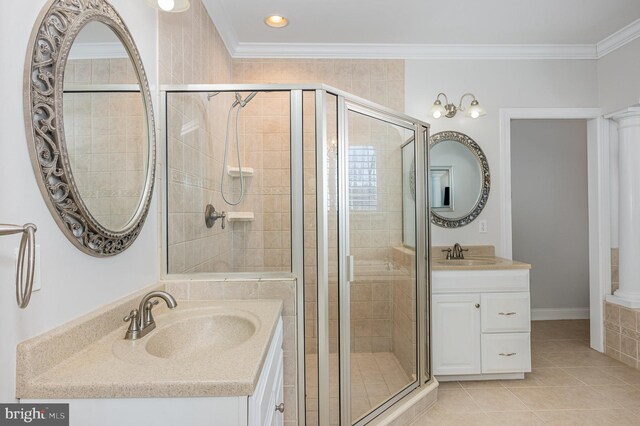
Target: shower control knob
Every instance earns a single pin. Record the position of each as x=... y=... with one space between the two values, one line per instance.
x=280 y=407
x=211 y=215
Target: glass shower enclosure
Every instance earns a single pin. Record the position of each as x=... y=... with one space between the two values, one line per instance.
x=317 y=185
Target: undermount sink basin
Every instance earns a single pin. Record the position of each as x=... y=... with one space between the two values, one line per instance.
x=467 y=262
x=210 y=334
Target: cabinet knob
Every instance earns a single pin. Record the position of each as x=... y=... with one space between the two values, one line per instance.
x=478 y=305
x=280 y=407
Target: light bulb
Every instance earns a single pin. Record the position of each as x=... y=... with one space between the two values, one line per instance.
x=437 y=109
x=475 y=110
x=276 y=21
x=166 y=5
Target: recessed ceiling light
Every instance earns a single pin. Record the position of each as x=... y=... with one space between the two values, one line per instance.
x=276 y=21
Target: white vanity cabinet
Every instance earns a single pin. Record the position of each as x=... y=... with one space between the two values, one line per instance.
x=258 y=409
x=481 y=324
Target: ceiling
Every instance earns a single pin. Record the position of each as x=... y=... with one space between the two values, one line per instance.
x=424 y=22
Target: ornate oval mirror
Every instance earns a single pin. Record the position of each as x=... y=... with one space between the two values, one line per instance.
x=90 y=124
x=459 y=179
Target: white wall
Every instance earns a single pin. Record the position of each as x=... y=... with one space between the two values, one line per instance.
x=619 y=78
x=550 y=209
x=73 y=283
x=497 y=84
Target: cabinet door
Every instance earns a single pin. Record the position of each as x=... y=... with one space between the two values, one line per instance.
x=456 y=334
x=278 y=418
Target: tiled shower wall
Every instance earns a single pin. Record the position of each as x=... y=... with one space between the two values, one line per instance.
x=191 y=51
x=380 y=81
x=263 y=244
x=104 y=137
x=195 y=167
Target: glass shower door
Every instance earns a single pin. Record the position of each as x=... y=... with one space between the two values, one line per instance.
x=378 y=272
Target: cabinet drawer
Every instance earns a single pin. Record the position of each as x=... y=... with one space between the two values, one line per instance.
x=505 y=312
x=506 y=353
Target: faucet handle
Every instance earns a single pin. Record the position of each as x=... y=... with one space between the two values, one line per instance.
x=134 y=326
x=132 y=316
x=147 y=316
x=448 y=251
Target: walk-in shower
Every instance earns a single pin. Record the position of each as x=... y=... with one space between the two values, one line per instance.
x=320 y=177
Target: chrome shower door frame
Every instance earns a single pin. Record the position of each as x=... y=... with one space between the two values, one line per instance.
x=346 y=104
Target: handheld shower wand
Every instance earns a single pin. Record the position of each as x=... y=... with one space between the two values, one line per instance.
x=240 y=103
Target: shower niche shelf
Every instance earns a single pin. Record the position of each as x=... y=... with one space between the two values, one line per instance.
x=240 y=216
x=235 y=171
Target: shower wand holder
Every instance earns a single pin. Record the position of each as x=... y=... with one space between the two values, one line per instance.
x=211 y=216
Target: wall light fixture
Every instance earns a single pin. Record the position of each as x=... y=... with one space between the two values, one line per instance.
x=474 y=110
x=170 y=5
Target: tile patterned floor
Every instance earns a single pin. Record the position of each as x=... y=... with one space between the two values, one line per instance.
x=374 y=378
x=570 y=384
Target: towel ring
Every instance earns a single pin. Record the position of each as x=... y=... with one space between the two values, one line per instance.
x=27 y=251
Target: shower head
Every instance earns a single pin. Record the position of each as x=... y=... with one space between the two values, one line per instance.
x=211 y=95
x=243 y=102
x=248 y=98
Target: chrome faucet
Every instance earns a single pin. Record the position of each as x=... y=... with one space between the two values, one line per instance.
x=142 y=321
x=457 y=251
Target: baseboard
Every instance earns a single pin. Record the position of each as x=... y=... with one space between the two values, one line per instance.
x=542 y=314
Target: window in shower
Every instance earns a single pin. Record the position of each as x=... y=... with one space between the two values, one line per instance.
x=213 y=138
x=363 y=178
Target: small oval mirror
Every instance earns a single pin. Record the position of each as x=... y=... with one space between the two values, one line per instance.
x=89 y=112
x=459 y=179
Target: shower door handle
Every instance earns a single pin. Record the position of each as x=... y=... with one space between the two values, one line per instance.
x=350 y=268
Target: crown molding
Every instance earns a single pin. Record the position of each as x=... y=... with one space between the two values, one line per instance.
x=413 y=51
x=619 y=38
x=98 y=51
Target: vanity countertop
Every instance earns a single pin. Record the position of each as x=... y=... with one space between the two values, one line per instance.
x=111 y=367
x=477 y=263
x=476 y=258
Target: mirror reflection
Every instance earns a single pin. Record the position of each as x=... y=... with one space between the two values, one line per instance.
x=441 y=188
x=105 y=126
x=448 y=157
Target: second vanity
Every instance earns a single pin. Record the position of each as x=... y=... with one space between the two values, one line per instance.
x=481 y=318
x=216 y=360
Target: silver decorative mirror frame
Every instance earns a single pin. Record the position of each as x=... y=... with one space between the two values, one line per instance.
x=450 y=135
x=51 y=39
